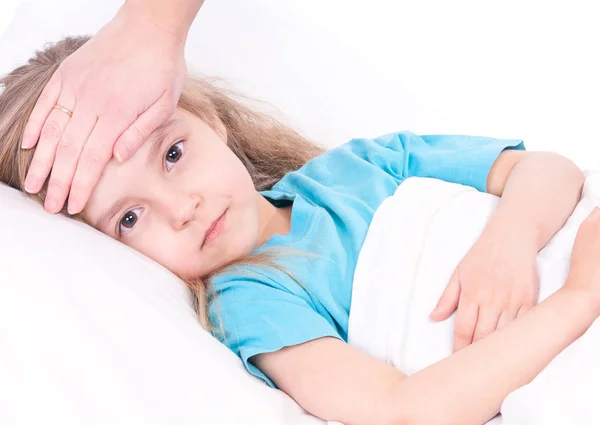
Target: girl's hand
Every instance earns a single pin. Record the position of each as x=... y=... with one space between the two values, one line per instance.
x=584 y=271
x=120 y=85
x=495 y=283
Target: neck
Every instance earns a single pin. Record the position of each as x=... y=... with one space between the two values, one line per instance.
x=272 y=220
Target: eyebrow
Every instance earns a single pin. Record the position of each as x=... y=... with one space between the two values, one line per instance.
x=158 y=135
x=155 y=139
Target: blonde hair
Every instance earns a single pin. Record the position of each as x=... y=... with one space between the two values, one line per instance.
x=267 y=148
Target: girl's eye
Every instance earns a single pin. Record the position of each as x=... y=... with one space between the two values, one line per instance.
x=128 y=221
x=174 y=154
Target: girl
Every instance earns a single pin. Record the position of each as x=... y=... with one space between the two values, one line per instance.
x=266 y=229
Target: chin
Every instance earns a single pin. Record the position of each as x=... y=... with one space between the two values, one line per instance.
x=217 y=258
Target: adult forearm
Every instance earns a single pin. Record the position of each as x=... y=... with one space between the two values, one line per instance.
x=173 y=16
x=469 y=386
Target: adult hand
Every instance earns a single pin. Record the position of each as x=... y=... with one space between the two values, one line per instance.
x=495 y=283
x=120 y=85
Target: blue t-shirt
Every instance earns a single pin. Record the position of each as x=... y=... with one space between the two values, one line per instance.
x=334 y=198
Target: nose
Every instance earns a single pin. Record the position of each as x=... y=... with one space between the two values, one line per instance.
x=180 y=208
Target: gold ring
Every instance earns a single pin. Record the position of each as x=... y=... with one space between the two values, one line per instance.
x=63 y=109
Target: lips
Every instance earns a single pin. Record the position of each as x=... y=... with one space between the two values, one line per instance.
x=214 y=230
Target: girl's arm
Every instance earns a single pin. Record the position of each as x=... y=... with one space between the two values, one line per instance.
x=337 y=382
x=539 y=191
x=497 y=279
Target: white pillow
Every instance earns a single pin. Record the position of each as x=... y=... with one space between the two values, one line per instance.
x=92 y=332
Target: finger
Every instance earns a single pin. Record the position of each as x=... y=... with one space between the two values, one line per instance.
x=42 y=109
x=594 y=214
x=448 y=301
x=464 y=327
x=139 y=131
x=67 y=155
x=506 y=317
x=43 y=158
x=487 y=322
x=94 y=157
x=522 y=311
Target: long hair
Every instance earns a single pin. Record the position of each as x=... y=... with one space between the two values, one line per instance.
x=267 y=148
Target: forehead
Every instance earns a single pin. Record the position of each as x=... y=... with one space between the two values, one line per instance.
x=118 y=179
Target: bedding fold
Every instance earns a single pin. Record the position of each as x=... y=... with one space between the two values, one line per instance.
x=415 y=241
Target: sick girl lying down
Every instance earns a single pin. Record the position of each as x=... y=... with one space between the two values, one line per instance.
x=266 y=228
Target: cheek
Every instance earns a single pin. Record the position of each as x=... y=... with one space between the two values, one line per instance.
x=224 y=177
x=180 y=257
x=239 y=182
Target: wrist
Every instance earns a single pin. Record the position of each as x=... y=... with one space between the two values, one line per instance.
x=173 y=17
x=511 y=224
x=580 y=301
x=507 y=228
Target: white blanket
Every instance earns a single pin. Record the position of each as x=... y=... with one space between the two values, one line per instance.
x=416 y=239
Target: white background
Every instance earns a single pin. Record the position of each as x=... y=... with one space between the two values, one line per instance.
x=340 y=69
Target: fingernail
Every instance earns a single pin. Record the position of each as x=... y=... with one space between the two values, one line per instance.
x=52 y=205
x=27 y=142
x=122 y=154
x=31 y=184
x=73 y=207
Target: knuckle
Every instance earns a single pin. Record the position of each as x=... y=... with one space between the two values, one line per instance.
x=468 y=293
x=529 y=296
x=44 y=98
x=517 y=302
x=81 y=184
x=529 y=302
x=93 y=157
x=57 y=185
x=484 y=296
x=137 y=134
x=164 y=108
x=66 y=149
x=51 y=130
x=115 y=108
x=38 y=165
x=463 y=332
x=501 y=298
x=480 y=335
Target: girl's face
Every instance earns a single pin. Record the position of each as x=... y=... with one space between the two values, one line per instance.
x=183 y=199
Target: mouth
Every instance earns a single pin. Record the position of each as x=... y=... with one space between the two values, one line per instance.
x=214 y=230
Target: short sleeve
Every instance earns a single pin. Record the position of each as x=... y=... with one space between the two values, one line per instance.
x=458 y=159
x=253 y=317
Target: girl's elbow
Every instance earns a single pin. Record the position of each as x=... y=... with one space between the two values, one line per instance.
x=561 y=164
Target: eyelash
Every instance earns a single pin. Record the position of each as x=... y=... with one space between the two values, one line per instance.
x=164 y=158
